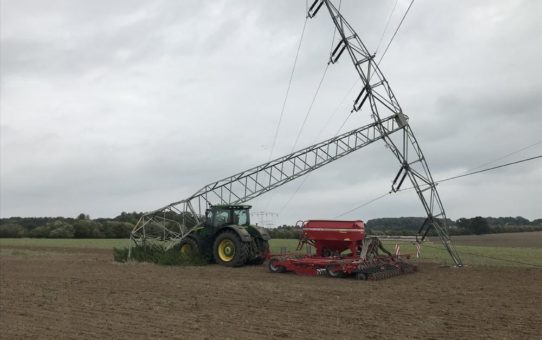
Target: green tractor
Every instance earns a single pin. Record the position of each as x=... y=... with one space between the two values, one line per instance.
x=228 y=238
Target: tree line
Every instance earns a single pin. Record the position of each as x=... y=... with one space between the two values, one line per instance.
x=409 y=226
x=81 y=226
x=120 y=226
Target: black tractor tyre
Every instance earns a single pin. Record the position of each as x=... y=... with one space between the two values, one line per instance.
x=274 y=268
x=229 y=250
x=189 y=247
x=263 y=250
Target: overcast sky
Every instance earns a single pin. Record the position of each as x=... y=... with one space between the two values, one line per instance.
x=111 y=106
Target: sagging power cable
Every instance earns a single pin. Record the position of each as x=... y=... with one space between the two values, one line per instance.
x=386 y=26
x=287 y=90
x=505 y=156
x=349 y=91
x=439 y=181
x=395 y=33
x=319 y=85
x=488 y=169
x=309 y=110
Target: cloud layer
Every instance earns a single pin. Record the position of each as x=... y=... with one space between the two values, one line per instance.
x=129 y=105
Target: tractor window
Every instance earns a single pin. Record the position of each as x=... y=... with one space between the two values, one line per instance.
x=222 y=217
x=208 y=217
x=240 y=217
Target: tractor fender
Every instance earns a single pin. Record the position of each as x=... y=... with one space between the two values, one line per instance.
x=264 y=234
x=242 y=232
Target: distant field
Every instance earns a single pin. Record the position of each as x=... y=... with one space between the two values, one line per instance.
x=531 y=239
x=514 y=249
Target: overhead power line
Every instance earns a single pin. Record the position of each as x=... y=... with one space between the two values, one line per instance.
x=440 y=181
x=318 y=88
x=386 y=27
x=396 y=30
x=310 y=107
x=377 y=48
x=306 y=116
x=488 y=169
x=363 y=205
x=287 y=90
x=507 y=155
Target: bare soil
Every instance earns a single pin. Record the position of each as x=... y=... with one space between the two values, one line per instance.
x=82 y=293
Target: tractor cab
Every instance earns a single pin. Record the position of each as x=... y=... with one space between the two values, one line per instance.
x=221 y=215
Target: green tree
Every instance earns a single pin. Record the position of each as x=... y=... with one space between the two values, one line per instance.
x=477 y=225
x=11 y=230
x=115 y=229
x=61 y=229
x=41 y=231
x=82 y=216
x=84 y=228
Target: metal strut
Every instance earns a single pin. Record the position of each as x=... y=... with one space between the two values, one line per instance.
x=381 y=99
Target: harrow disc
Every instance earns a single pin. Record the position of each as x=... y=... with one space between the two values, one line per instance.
x=385 y=274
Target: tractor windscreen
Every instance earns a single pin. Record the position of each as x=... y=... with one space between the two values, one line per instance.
x=241 y=217
x=219 y=217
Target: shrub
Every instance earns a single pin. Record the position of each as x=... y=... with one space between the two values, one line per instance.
x=157 y=253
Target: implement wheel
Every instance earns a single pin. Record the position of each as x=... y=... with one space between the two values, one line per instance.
x=229 y=250
x=332 y=270
x=274 y=268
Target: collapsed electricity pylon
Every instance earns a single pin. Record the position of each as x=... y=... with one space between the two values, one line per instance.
x=177 y=220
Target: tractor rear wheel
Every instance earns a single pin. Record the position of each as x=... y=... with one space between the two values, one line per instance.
x=229 y=250
x=263 y=250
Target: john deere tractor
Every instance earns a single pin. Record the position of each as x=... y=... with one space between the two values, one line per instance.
x=228 y=238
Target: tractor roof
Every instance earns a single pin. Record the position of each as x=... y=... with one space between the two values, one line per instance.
x=231 y=206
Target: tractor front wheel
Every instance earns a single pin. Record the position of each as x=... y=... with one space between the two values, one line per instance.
x=188 y=247
x=229 y=250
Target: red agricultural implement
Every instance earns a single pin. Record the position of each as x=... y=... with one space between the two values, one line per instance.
x=341 y=250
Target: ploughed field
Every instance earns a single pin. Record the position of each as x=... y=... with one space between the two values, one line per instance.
x=79 y=292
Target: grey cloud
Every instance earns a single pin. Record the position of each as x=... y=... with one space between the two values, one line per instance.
x=111 y=106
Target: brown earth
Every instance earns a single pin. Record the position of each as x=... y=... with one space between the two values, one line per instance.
x=82 y=293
